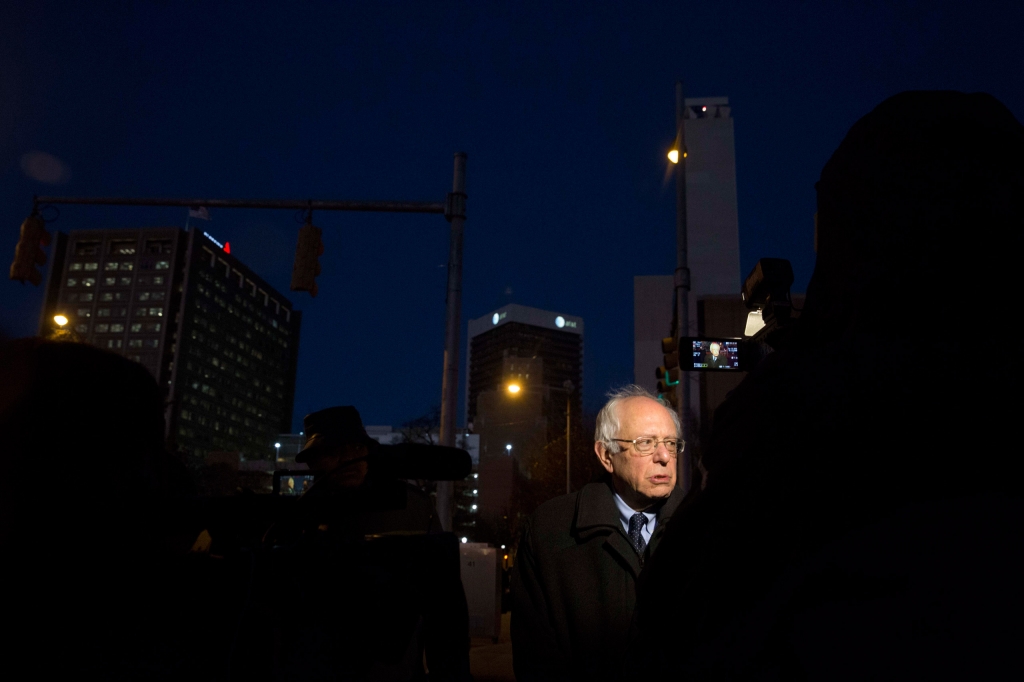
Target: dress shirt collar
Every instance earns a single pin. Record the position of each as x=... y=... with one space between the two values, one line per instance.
x=625 y=512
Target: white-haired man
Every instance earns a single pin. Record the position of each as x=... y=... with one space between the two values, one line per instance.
x=574 y=582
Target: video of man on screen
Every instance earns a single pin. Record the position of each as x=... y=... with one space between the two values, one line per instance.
x=716 y=354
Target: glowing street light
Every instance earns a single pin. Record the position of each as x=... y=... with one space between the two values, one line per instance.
x=673 y=156
x=508 y=448
x=61 y=320
x=514 y=388
x=278 y=447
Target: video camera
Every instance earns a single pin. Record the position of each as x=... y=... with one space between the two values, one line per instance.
x=766 y=293
x=398 y=461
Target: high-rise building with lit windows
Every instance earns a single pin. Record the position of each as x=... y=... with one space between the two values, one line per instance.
x=541 y=352
x=221 y=342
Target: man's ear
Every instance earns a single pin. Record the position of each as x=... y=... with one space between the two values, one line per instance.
x=604 y=456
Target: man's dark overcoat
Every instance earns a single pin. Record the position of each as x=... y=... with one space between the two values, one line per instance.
x=574 y=586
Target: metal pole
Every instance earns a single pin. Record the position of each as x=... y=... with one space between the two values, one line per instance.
x=682 y=284
x=450 y=377
x=304 y=204
x=568 y=404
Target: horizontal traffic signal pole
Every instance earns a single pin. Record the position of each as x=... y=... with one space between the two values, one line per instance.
x=372 y=206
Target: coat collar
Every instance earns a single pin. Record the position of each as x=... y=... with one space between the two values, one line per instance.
x=596 y=514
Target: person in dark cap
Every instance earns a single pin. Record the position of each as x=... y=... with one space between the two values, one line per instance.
x=381 y=585
x=337 y=448
x=860 y=516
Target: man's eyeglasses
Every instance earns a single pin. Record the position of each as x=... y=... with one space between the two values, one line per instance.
x=646 y=445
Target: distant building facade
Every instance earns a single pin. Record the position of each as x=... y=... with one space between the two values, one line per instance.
x=538 y=350
x=220 y=341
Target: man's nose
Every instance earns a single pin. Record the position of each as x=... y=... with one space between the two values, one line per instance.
x=661 y=453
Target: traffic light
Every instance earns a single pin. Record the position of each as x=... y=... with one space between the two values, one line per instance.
x=307 y=254
x=29 y=251
x=668 y=373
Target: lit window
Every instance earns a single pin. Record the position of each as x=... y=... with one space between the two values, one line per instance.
x=158 y=279
x=103 y=312
x=136 y=327
x=85 y=298
x=127 y=266
x=125 y=281
x=156 y=312
x=135 y=343
x=102 y=328
x=114 y=343
x=75 y=266
x=109 y=281
x=163 y=265
x=122 y=247
x=110 y=265
x=88 y=281
x=82 y=328
x=159 y=295
x=92 y=266
x=117 y=327
x=84 y=312
x=106 y=296
x=72 y=282
x=143 y=295
x=119 y=312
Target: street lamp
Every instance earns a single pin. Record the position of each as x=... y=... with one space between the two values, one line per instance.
x=277 y=446
x=568 y=387
x=60 y=320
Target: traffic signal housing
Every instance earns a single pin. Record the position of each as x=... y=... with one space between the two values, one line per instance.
x=669 y=373
x=307 y=254
x=29 y=251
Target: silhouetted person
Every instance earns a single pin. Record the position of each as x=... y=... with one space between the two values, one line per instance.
x=861 y=515
x=82 y=470
x=380 y=582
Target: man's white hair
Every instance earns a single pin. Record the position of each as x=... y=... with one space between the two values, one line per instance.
x=608 y=423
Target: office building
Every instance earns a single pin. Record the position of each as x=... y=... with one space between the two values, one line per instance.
x=220 y=341
x=541 y=352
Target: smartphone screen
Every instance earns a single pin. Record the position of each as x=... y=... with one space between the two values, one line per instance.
x=713 y=354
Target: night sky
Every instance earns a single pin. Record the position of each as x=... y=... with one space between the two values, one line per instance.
x=566 y=115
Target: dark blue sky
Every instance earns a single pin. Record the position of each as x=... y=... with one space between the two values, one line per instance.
x=565 y=113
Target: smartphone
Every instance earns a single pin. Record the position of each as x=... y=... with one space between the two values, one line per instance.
x=710 y=354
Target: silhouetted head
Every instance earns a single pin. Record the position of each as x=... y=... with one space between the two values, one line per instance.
x=918 y=215
x=74 y=418
x=337 y=446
